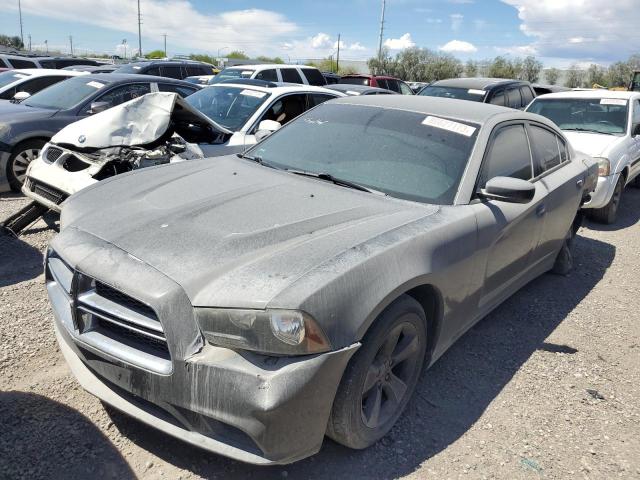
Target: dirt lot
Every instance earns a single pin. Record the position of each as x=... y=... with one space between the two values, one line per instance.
x=545 y=387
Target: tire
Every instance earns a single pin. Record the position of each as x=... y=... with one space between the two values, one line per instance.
x=400 y=334
x=635 y=183
x=21 y=156
x=609 y=212
x=564 y=261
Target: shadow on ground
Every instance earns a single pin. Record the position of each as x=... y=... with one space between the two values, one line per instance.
x=628 y=212
x=450 y=397
x=19 y=261
x=41 y=438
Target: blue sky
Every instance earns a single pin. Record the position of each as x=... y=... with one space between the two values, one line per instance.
x=558 y=31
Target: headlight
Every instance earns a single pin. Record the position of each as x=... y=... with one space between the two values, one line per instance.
x=604 y=167
x=276 y=332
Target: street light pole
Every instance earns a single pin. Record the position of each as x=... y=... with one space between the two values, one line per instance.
x=71 y=44
x=20 y=14
x=165 y=44
x=140 y=32
x=384 y=4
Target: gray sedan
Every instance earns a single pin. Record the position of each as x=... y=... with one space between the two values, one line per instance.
x=252 y=304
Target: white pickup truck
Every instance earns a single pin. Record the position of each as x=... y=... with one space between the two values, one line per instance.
x=605 y=125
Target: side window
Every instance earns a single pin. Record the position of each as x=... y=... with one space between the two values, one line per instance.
x=193 y=70
x=153 y=71
x=513 y=98
x=268 y=75
x=314 y=77
x=318 y=98
x=546 y=153
x=179 y=89
x=37 y=84
x=48 y=64
x=498 y=98
x=393 y=85
x=527 y=95
x=564 y=151
x=290 y=75
x=383 y=83
x=172 y=71
x=4 y=64
x=508 y=155
x=125 y=93
x=18 y=63
x=405 y=89
x=287 y=108
x=635 y=119
x=8 y=94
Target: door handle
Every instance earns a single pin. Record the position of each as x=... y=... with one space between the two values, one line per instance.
x=580 y=183
x=541 y=210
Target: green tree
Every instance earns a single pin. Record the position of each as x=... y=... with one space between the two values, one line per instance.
x=11 y=42
x=200 y=57
x=531 y=68
x=552 y=75
x=264 y=59
x=238 y=55
x=416 y=64
x=502 y=67
x=596 y=75
x=619 y=74
x=155 y=54
x=471 y=68
x=574 y=77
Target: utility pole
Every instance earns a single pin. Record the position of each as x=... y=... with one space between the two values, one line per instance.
x=29 y=41
x=140 y=33
x=71 y=44
x=20 y=14
x=46 y=45
x=338 y=56
x=165 y=44
x=384 y=4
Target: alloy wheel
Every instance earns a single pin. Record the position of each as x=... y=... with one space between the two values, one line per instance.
x=21 y=162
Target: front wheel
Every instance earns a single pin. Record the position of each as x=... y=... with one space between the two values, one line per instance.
x=381 y=376
x=609 y=212
x=22 y=155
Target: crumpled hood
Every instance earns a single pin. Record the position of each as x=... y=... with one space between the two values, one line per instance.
x=230 y=232
x=137 y=122
x=593 y=144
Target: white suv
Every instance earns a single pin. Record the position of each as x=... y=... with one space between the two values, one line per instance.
x=606 y=125
x=273 y=73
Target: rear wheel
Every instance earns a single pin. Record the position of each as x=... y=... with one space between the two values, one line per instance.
x=609 y=212
x=23 y=154
x=381 y=376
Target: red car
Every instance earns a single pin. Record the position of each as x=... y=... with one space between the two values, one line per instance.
x=380 y=81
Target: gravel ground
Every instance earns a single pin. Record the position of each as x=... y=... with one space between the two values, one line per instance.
x=545 y=387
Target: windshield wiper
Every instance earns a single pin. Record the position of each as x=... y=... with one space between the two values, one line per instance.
x=336 y=181
x=590 y=130
x=256 y=159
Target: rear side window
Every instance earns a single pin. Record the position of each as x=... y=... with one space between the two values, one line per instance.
x=179 y=89
x=19 y=63
x=124 y=93
x=393 y=85
x=498 y=98
x=527 y=95
x=290 y=75
x=318 y=98
x=514 y=100
x=48 y=64
x=194 y=70
x=564 y=151
x=546 y=151
x=508 y=155
x=268 y=75
x=383 y=83
x=405 y=89
x=172 y=71
x=314 y=77
x=153 y=71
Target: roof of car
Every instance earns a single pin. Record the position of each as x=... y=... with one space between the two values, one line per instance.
x=479 y=83
x=39 y=72
x=279 y=87
x=261 y=66
x=599 y=93
x=475 y=112
x=361 y=89
x=179 y=62
x=124 y=77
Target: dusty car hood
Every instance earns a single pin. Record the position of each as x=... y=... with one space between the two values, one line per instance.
x=592 y=144
x=230 y=232
x=140 y=121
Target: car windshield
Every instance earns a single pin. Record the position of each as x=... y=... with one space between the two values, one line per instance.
x=454 y=92
x=231 y=107
x=9 y=77
x=65 y=95
x=231 y=74
x=597 y=115
x=404 y=154
x=355 y=81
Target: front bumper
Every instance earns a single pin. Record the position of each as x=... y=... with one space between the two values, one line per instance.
x=253 y=408
x=603 y=192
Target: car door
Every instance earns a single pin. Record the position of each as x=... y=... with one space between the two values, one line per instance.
x=634 y=144
x=508 y=231
x=118 y=95
x=563 y=181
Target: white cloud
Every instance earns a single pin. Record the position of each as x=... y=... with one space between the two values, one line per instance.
x=598 y=30
x=321 y=40
x=357 y=47
x=401 y=43
x=251 y=30
x=456 y=21
x=322 y=45
x=458 y=46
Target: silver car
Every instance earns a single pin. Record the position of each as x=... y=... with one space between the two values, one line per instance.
x=253 y=304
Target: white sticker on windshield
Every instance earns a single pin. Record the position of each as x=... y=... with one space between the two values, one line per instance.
x=135 y=67
x=444 y=124
x=613 y=101
x=247 y=72
x=253 y=93
x=473 y=91
x=95 y=84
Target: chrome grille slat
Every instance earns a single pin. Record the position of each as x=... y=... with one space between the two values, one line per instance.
x=43 y=190
x=122 y=323
x=61 y=273
x=53 y=154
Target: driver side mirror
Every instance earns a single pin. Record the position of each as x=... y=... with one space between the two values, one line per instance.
x=507 y=189
x=266 y=128
x=20 y=96
x=97 y=107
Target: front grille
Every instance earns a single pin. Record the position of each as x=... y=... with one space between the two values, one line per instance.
x=46 y=191
x=120 y=298
x=74 y=164
x=53 y=154
x=133 y=338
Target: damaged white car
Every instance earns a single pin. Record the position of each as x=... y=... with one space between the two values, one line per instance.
x=160 y=128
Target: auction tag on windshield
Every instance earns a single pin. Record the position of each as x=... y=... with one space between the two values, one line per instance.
x=613 y=101
x=449 y=125
x=253 y=93
x=473 y=91
x=95 y=84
